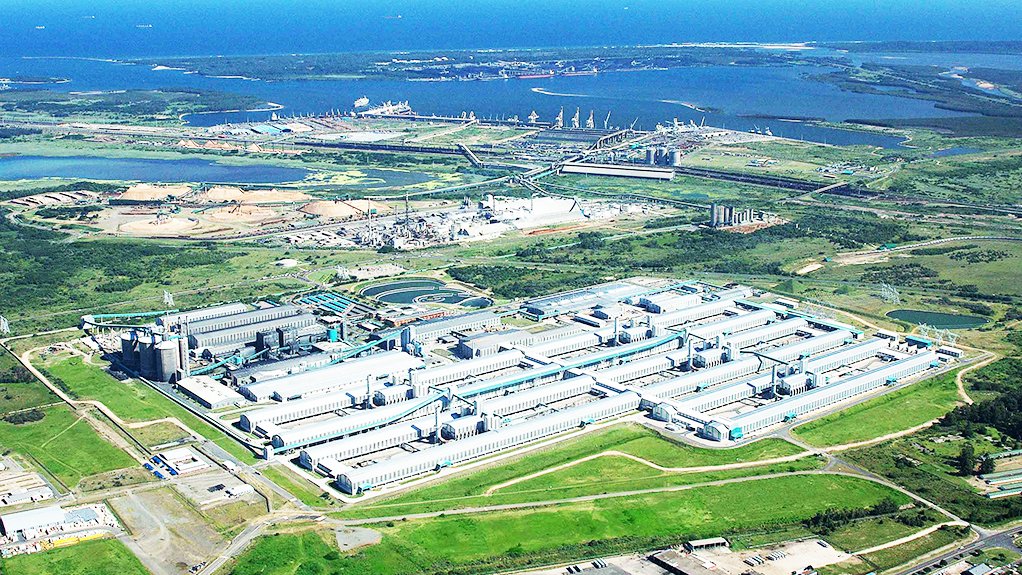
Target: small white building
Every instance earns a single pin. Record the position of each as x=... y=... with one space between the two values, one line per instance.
x=208 y=393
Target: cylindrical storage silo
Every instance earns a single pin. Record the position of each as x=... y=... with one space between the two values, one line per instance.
x=166 y=360
x=676 y=158
x=147 y=355
x=129 y=350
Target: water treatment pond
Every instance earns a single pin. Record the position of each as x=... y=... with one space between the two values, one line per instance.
x=144 y=170
x=938 y=319
x=424 y=290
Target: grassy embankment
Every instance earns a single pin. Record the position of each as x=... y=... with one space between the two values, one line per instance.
x=599 y=475
x=489 y=542
x=892 y=557
x=132 y=401
x=64 y=445
x=98 y=557
x=889 y=413
x=18 y=389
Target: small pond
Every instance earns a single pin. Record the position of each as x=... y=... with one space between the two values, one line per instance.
x=938 y=319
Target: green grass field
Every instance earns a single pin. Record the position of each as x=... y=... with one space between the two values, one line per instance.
x=158 y=433
x=99 y=557
x=18 y=396
x=895 y=411
x=133 y=401
x=130 y=400
x=289 y=554
x=469 y=488
x=900 y=554
x=18 y=388
x=487 y=542
x=66 y=446
x=996 y=556
x=300 y=487
x=865 y=533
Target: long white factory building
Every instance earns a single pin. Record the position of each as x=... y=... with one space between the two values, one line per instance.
x=723 y=363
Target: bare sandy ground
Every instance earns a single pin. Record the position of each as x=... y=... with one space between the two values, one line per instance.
x=234 y=194
x=242 y=213
x=153 y=192
x=156 y=226
x=339 y=209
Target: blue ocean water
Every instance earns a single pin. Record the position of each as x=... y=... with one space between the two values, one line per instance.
x=114 y=28
x=731 y=96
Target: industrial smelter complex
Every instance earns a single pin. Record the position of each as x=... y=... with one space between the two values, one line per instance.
x=721 y=363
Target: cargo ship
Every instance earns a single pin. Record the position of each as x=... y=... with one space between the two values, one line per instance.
x=536 y=75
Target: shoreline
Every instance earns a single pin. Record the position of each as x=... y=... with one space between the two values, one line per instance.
x=270 y=107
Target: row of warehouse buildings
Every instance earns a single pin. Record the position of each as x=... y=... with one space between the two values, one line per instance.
x=723 y=362
x=166 y=351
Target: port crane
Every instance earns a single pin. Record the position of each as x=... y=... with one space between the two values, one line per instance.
x=590 y=124
x=559 y=120
x=606 y=121
x=533 y=117
x=574 y=120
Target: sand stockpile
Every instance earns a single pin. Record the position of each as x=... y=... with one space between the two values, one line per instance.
x=241 y=213
x=233 y=194
x=340 y=209
x=154 y=192
x=159 y=226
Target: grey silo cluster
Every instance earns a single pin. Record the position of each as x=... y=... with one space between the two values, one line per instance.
x=129 y=350
x=722 y=216
x=663 y=156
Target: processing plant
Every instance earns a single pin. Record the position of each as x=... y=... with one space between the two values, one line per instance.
x=722 y=364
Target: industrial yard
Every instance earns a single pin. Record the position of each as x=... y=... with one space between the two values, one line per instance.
x=722 y=365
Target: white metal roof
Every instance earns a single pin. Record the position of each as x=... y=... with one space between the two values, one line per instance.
x=32 y=519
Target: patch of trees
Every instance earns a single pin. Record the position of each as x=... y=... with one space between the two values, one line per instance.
x=40 y=270
x=68 y=213
x=972 y=306
x=700 y=249
x=856 y=231
x=941 y=250
x=1003 y=412
x=590 y=240
x=21 y=417
x=901 y=274
x=7 y=133
x=981 y=256
x=16 y=374
x=131 y=102
x=826 y=522
x=1001 y=376
x=514 y=282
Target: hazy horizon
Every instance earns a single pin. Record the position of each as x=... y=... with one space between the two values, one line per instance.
x=191 y=27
